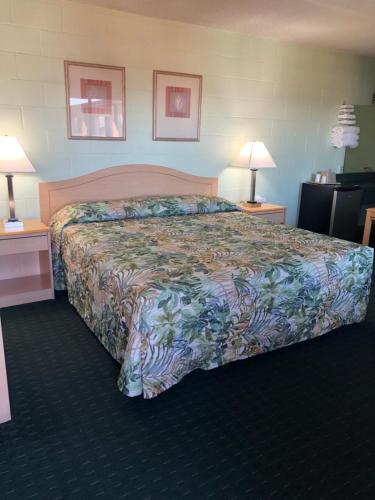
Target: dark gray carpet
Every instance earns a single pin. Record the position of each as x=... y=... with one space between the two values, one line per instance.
x=298 y=423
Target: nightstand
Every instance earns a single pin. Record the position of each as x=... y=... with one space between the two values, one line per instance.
x=25 y=264
x=268 y=211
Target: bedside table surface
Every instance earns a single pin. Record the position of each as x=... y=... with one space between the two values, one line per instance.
x=265 y=207
x=30 y=226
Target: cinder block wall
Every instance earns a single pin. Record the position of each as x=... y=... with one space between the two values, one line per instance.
x=283 y=94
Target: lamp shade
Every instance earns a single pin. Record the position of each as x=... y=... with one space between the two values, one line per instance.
x=13 y=157
x=254 y=155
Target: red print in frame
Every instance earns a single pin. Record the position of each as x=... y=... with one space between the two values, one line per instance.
x=177 y=102
x=99 y=96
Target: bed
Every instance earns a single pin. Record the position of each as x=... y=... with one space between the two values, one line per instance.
x=171 y=278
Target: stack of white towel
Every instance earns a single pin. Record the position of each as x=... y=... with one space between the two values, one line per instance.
x=345 y=136
x=346 y=115
x=346 y=133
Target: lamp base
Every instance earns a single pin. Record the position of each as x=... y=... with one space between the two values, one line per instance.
x=254 y=203
x=13 y=224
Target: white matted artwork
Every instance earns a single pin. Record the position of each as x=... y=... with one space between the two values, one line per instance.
x=95 y=100
x=177 y=106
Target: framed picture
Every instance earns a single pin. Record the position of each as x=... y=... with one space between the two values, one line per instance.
x=95 y=101
x=177 y=106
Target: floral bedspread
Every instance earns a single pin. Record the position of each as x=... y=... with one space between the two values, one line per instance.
x=193 y=283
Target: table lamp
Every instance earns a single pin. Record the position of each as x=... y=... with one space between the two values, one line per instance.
x=13 y=160
x=254 y=155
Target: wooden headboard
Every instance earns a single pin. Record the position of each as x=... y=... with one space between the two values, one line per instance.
x=125 y=181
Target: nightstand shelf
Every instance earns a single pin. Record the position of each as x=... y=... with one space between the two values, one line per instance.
x=268 y=211
x=25 y=265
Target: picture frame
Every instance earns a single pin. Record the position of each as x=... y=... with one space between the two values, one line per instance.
x=95 y=101
x=177 y=100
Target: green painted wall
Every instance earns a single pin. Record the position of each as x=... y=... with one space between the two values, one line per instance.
x=364 y=155
x=253 y=89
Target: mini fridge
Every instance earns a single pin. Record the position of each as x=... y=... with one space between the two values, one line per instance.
x=330 y=209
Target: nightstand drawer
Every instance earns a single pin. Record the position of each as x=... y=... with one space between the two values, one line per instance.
x=267 y=211
x=276 y=217
x=13 y=246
